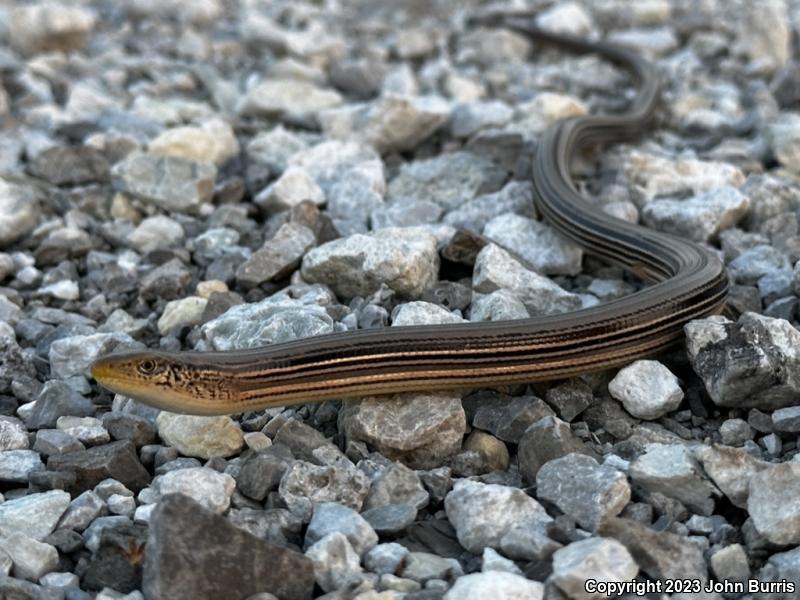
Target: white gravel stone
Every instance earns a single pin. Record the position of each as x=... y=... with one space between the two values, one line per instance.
x=783 y=134
x=491 y=560
x=293 y=186
x=34 y=515
x=647 y=389
x=184 y=312
x=774 y=503
x=652 y=41
x=660 y=176
x=405 y=259
x=290 y=98
x=601 y=559
x=13 y=435
x=60 y=580
x=546 y=251
x=156 y=233
x=87 y=430
x=730 y=469
x=274 y=147
x=273 y=320
x=32 y=559
x=496 y=269
x=330 y=517
x=583 y=489
x=764 y=34
x=450 y=180
x=16 y=465
x=385 y=558
x=500 y=305
x=496 y=585
x=304 y=485
x=483 y=513
x=169 y=182
x=209 y=488
x=566 y=18
x=420 y=429
x=49 y=27
x=213 y=141
x=121 y=505
x=6 y=564
x=670 y=469
x=336 y=564
x=82 y=511
x=469 y=118
x=423 y=313
x=393 y=123
x=700 y=218
x=19 y=212
x=544 y=110
x=202 y=437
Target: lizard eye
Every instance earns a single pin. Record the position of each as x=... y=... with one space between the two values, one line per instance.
x=148 y=367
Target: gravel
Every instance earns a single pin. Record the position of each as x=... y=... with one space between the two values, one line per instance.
x=214 y=176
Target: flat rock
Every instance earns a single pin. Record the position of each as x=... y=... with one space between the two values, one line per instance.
x=203 y=437
x=773 y=503
x=34 y=515
x=670 y=469
x=230 y=566
x=156 y=233
x=515 y=197
x=117 y=460
x=483 y=513
x=169 y=182
x=207 y=487
x=291 y=99
x=448 y=179
x=659 y=176
x=421 y=430
x=390 y=518
x=583 y=489
x=273 y=320
x=496 y=269
x=330 y=517
x=700 y=218
x=213 y=141
x=392 y=123
x=544 y=250
x=405 y=259
x=17 y=465
x=50 y=27
x=294 y=186
x=305 y=484
x=32 y=559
